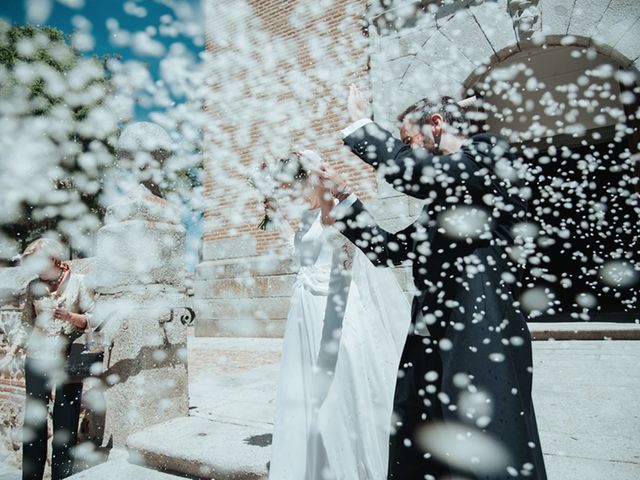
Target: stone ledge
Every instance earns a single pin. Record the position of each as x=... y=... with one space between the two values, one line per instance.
x=118 y=467
x=584 y=331
x=205 y=448
x=247 y=327
x=231 y=248
x=245 y=267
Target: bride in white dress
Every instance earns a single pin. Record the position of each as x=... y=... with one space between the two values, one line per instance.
x=339 y=361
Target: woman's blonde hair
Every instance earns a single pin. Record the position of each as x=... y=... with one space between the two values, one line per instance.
x=47 y=246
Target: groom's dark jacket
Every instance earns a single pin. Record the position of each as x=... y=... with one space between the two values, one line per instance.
x=465 y=259
x=473 y=200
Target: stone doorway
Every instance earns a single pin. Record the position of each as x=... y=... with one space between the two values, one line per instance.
x=568 y=108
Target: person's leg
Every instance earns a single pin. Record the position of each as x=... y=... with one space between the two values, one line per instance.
x=66 y=414
x=487 y=378
x=415 y=405
x=34 y=444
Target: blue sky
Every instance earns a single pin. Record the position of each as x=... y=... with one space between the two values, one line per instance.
x=130 y=15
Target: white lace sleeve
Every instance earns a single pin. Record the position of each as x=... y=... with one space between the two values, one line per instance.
x=286 y=232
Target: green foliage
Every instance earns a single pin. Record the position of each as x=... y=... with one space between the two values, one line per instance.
x=29 y=57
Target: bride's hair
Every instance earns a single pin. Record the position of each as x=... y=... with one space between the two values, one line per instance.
x=292 y=168
x=289 y=169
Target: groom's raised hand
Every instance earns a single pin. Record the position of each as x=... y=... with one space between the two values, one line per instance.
x=333 y=182
x=358 y=106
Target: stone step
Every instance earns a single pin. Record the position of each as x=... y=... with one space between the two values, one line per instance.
x=9 y=472
x=205 y=448
x=584 y=331
x=119 y=467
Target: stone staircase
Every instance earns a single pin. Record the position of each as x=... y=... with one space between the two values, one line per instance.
x=204 y=448
x=227 y=435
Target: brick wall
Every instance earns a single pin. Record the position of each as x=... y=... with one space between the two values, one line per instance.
x=289 y=46
x=278 y=79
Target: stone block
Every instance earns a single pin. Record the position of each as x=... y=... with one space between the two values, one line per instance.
x=584 y=331
x=240 y=327
x=556 y=15
x=275 y=286
x=140 y=252
x=396 y=99
x=412 y=41
x=385 y=47
x=395 y=69
x=244 y=287
x=497 y=25
x=440 y=54
x=243 y=267
x=141 y=204
x=629 y=44
x=118 y=467
x=562 y=466
x=244 y=246
x=248 y=307
x=431 y=81
x=145 y=368
x=619 y=17
x=463 y=31
x=587 y=386
x=388 y=101
x=225 y=288
x=585 y=17
x=203 y=448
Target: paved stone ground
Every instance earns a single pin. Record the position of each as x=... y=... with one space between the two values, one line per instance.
x=587 y=396
x=234 y=379
x=8 y=472
x=119 y=467
x=8 y=469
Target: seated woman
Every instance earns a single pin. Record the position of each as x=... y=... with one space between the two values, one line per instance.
x=56 y=313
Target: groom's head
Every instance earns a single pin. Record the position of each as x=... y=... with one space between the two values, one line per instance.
x=423 y=123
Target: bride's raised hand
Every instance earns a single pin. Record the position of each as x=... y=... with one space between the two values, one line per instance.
x=357 y=104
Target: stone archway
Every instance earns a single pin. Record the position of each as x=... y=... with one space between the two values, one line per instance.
x=452 y=54
x=445 y=54
x=551 y=90
x=570 y=109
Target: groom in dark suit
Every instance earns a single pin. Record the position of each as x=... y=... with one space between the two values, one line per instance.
x=462 y=403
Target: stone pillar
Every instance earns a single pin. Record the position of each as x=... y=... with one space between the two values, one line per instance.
x=140 y=279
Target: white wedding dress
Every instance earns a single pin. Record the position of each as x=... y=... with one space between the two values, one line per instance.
x=341 y=433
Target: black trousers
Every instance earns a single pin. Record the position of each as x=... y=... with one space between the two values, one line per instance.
x=414 y=405
x=433 y=388
x=66 y=414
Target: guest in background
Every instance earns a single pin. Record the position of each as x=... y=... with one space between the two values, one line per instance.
x=56 y=312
